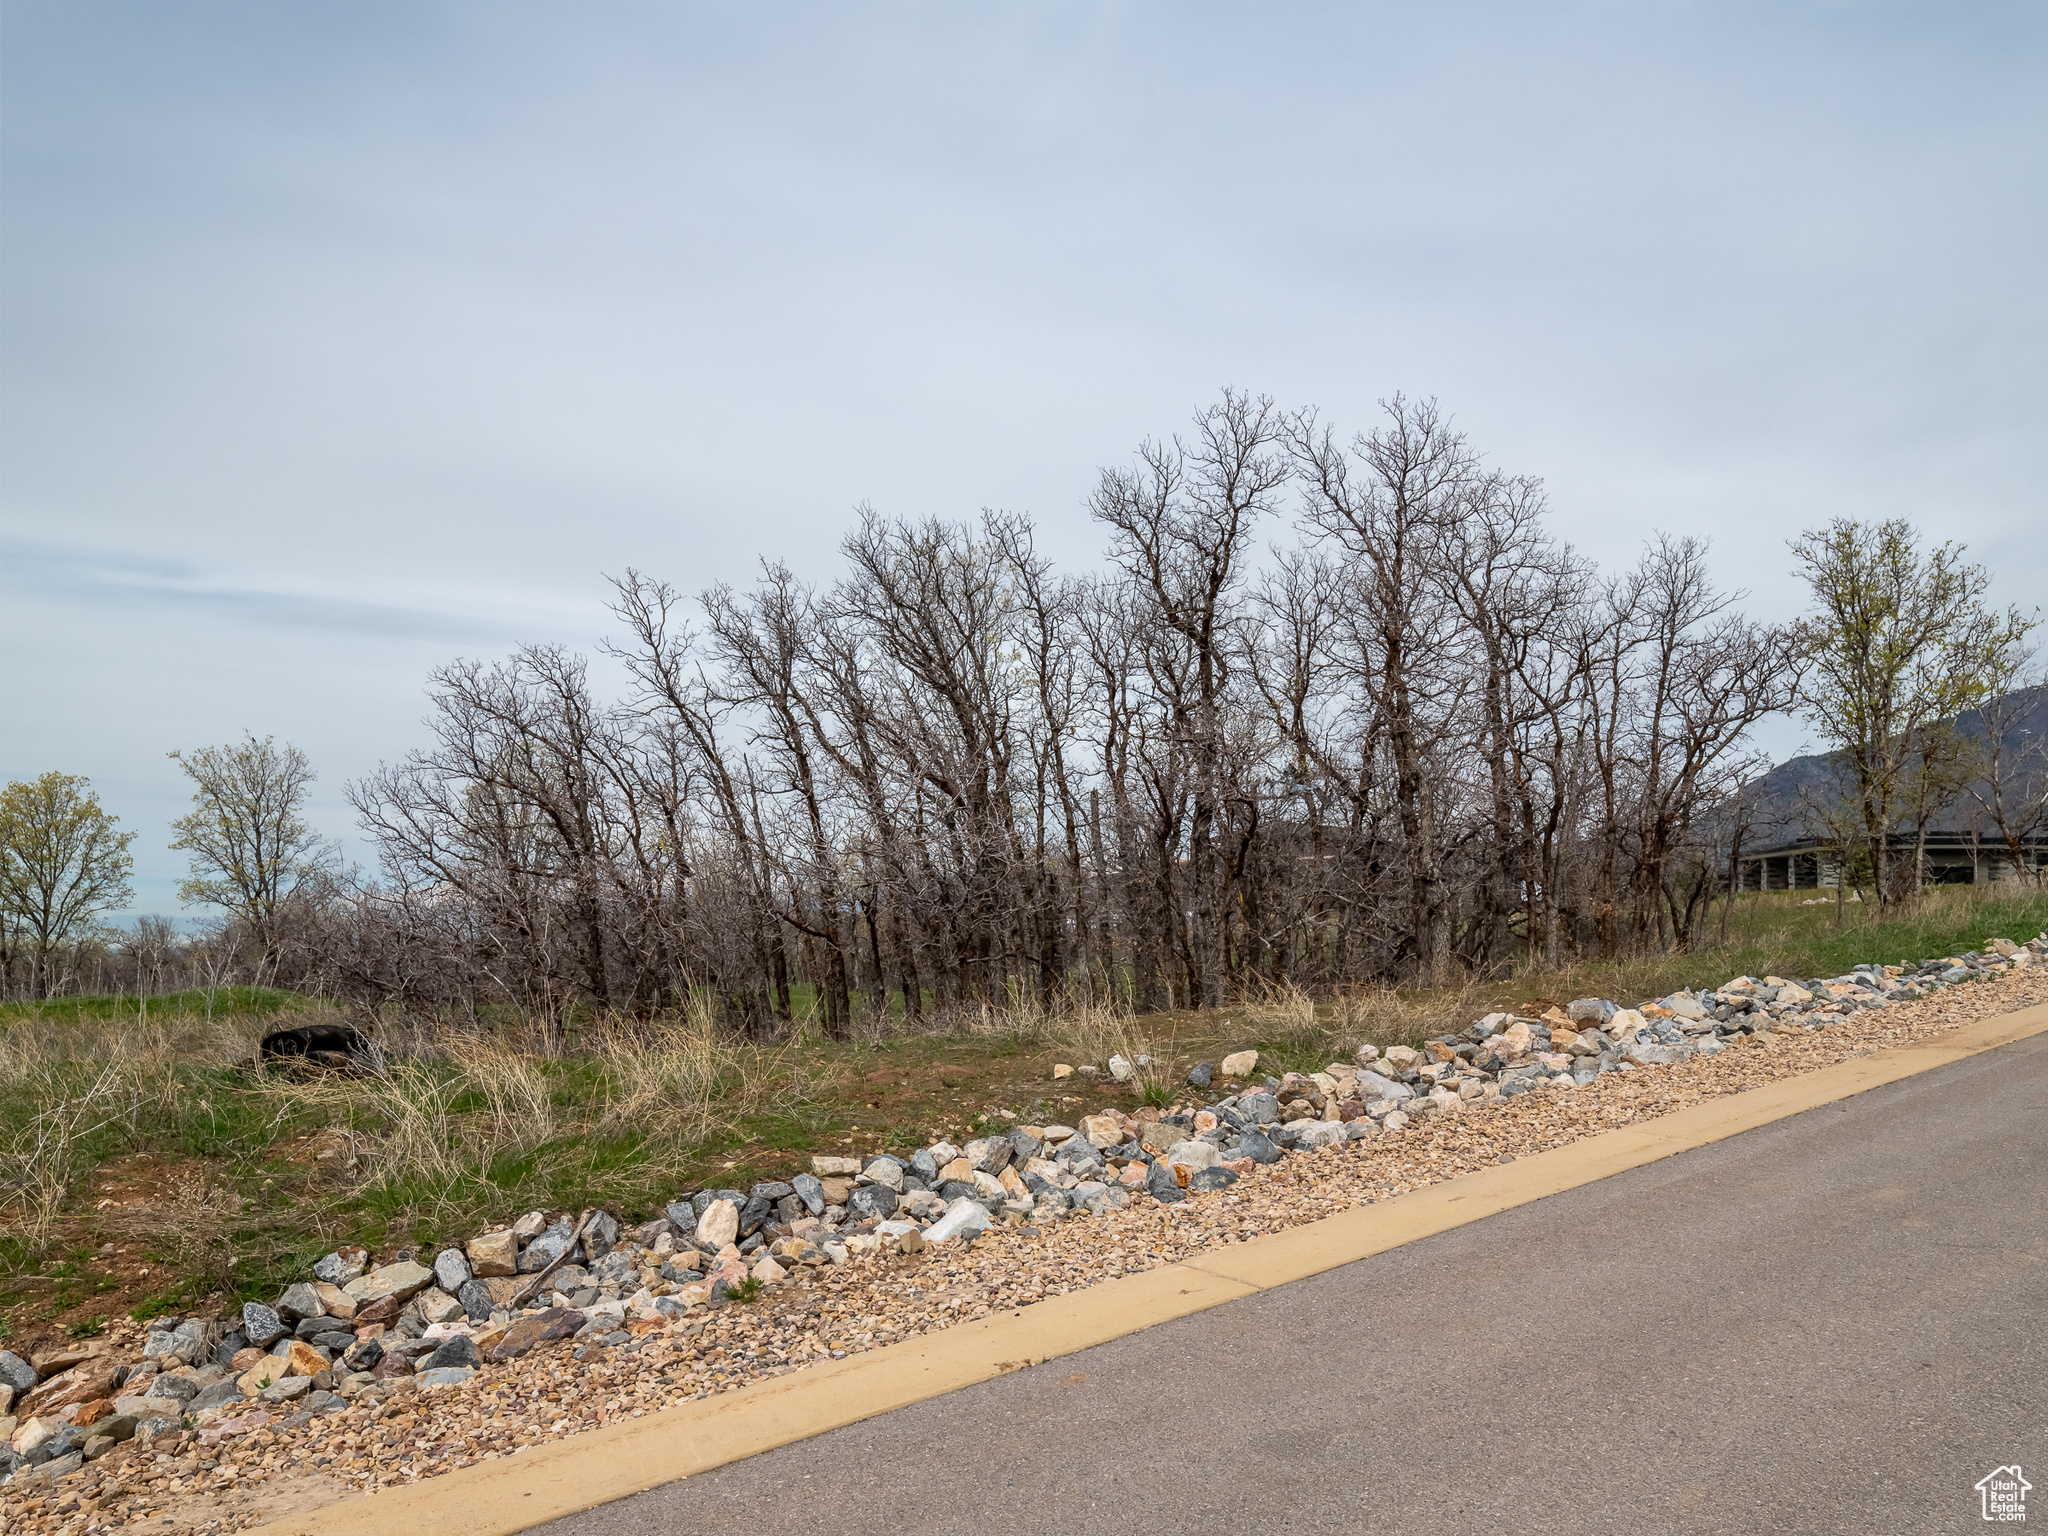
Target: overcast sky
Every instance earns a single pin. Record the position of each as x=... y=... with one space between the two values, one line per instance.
x=337 y=341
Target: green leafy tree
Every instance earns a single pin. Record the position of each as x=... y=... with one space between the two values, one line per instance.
x=1899 y=644
x=251 y=851
x=63 y=862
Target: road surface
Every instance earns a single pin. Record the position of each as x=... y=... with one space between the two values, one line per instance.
x=1834 y=1323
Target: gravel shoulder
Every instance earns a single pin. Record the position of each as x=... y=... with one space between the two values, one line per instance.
x=268 y=1469
x=1820 y=1326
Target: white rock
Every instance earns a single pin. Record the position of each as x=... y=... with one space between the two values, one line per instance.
x=720 y=1223
x=1121 y=1070
x=1625 y=1025
x=885 y=1172
x=835 y=1167
x=1373 y=1086
x=1239 y=1064
x=963 y=1218
x=1193 y=1154
x=1052 y=1135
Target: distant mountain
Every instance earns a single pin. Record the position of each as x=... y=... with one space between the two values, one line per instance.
x=1781 y=797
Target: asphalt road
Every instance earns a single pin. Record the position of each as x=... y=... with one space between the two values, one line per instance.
x=1835 y=1323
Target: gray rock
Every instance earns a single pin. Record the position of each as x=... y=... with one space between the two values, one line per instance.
x=288 y=1390
x=1359 y=1129
x=1202 y=1074
x=569 y=1278
x=1259 y=1147
x=451 y=1269
x=262 y=1325
x=1650 y=1055
x=771 y=1191
x=213 y=1396
x=1163 y=1186
x=922 y=1163
x=807 y=1188
x=1591 y=1010
x=885 y=1171
x=475 y=1297
x=336 y=1270
x=230 y=1345
x=1023 y=1145
x=1202 y=1180
x=876 y=1200
x=159 y=1345
x=601 y=1236
x=752 y=1214
x=682 y=1215
x=988 y=1154
x=1101 y=1199
x=1077 y=1153
x=444 y=1376
x=179 y=1389
x=300 y=1301
x=1052 y=1204
x=459 y=1350
x=365 y=1353
x=1259 y=1108
x=1324 y=1133
x=545 y=1249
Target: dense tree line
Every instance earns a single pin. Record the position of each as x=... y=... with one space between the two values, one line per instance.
x=1335 y=710
x=1418 y=737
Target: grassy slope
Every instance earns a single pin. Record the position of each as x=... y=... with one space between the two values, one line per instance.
x=210 y=1164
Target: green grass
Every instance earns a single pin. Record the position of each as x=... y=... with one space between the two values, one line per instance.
x=225 y=1003
x=470 y=1134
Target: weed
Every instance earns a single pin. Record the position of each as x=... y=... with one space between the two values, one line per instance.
x=746 y=1290
x=87 y=1328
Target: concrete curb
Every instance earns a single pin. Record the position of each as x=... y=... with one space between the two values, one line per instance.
x=549 y=1481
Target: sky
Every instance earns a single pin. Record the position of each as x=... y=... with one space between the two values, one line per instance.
x=340 y=341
